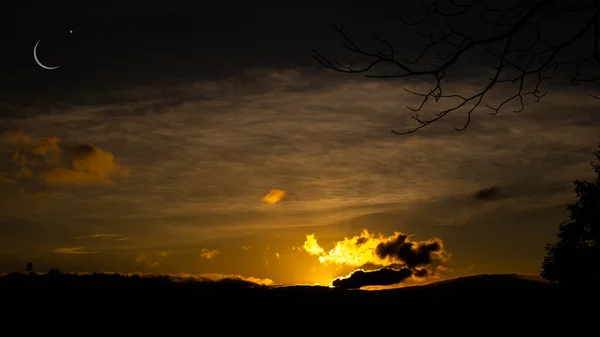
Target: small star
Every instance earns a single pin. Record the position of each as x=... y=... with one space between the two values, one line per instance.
x=70 y=32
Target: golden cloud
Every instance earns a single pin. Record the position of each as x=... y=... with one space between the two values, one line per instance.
x=367 y=248
x=4 y=180
x=39 y=195
x=263 y=281
x=73 y=250
x=219 y=277
x=23 y=173
x=49 y=150
x=26 y=152
x=18 y=138
x=311 y=246
x=212 y=277
x=209 y=254
x=19 y=158
x=149 y=262
x=33 y=195
x=115 y=237
x=152 y=260
x=90 y=165
x=274 y=196
x=67 y=176
x=245 y=248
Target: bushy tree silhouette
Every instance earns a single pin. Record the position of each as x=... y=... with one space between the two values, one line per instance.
x=575 y=257
x=29 y=267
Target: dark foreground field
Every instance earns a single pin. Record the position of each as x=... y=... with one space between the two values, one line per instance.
x=506 y=299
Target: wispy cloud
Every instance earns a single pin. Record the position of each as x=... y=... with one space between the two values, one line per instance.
x=323 y=139
x=73 y=251
x=115 y=237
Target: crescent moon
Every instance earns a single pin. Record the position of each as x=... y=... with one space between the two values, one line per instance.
x=37 y=60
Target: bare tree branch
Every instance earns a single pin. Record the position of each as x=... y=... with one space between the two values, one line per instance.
x=520 y=39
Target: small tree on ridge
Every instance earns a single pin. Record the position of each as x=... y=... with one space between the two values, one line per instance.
x=29 y=267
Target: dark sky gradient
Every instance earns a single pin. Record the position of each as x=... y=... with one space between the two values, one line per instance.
x=125 y=44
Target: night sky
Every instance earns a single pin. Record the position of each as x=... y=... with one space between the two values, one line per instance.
x=150 y=149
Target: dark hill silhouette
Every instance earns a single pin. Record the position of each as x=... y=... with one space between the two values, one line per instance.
x=489 y=281
x=476 y=289
x=501 y=287
x=508 y=300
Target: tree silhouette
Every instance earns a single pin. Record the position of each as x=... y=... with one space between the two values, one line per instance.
x=575 y=257
x=29 y=267
x=54 y=272
x=527 y=43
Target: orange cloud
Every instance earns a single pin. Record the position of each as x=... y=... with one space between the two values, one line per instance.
x=152 y=260
x=4 y=180
x=245 y=248
x=18 y=138
x=23 y=173
x=19 y=158
x=90 y=165
x=33 y=195
x=147 y=261
x=73 y=250
x=274 y=196
x=367 y=248
x=26 y=151
x=209 y=254
x=68 y=176
x=49 y=150
x=39 y=195
x=115 y=237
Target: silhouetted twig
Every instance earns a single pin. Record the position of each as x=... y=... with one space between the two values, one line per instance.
x=525 y=49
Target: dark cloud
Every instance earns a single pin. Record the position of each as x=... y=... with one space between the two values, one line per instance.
x=384 y=276
x=371 y=274
x=413 y=254
x=488 y=194
x=372 y=266
x=83 y=149
x=421 y=273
